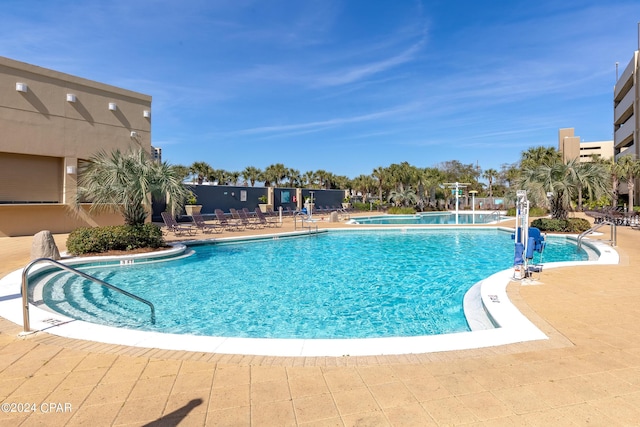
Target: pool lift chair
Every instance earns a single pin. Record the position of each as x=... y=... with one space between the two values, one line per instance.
x=528 y=240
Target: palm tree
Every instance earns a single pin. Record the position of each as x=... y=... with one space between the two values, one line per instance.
x=629 y=169
x=582 y=173
x=273 y=174
x=324 y=177
x=125 y=183
x=251 y=174
x=489 y=175
x=405 y=197
x=536 y=156
x=220 y=176
x=201 y=169
x=181 y=171
x=234 y=177
x=341 y=181
x=295 y=180
x=364 y=184
x=380 y=174
x=561 y=181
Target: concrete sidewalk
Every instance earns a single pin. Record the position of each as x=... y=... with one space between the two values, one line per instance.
x=588 y=372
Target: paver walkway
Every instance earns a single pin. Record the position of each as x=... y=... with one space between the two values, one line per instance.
x=587 y=373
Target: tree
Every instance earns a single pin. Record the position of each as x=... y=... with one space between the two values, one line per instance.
x=629 y=169
x=403 y=198
x=295 y=179
x=380 y=175
x=308 y=179
x=489 y=175
x=537 y=156
x=324 y=178
x=364 y=184
x=201 y=169
x=274 y=174
x=126 y=182
x=251 y=174
x=234 y=177
x=562 y=181
x=181 y=171
x=220 y=176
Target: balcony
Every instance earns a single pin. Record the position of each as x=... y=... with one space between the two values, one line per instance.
x=625 y=82
x=624 y=109
x=625 y=132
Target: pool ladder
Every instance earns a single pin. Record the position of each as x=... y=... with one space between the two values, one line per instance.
x=25 y=288
x=302 y=220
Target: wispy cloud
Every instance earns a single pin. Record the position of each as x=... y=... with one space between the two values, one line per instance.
x=330 y=122
x=356 y=73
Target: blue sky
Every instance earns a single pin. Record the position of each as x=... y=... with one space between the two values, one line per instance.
x=342 y=85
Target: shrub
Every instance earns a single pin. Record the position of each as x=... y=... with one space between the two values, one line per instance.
x=359 y=206
x=114 y=237
x=401 y=210
x=534 y=211
x=570 y=225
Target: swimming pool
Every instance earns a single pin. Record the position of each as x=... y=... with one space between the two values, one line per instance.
x=352 y=284
x=431 y=218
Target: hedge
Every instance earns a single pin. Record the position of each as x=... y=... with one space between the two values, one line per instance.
x=570 y=225
x=114 y=237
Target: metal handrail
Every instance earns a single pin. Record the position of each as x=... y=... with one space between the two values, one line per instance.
x=614 y=232
x=302 y=219
x=25 y=287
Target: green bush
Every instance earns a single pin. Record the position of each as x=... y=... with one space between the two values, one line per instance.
x=570 y=225
x=359 y=206
x=401 y=210
x=114 y=237
x=534 y=211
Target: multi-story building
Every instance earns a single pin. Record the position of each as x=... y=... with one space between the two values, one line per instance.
x=626 y=115
x=49 y=122
x=157 y=154
x=570 y=146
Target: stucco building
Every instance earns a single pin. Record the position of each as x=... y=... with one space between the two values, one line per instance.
x=626 y=115
x=570 y=146
x=49 y=122
x=626 y=103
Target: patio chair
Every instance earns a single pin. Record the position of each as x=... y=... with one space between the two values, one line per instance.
x=270 y=212
x=267 y=221
x=204 y=226
x=173 y=226
x=230 y=224
x=242 y=217
x=288 y=211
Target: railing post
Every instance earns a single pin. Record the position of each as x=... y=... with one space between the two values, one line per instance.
x=614 y=234
x=24 y=290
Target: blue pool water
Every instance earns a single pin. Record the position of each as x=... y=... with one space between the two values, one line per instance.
x=334 y=285
x=430 y=218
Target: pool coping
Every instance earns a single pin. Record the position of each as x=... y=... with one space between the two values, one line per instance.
x=514 y=327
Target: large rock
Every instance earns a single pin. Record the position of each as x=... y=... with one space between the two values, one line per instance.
x=44 y=246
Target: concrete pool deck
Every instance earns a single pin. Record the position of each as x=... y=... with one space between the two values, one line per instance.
x=588 y=371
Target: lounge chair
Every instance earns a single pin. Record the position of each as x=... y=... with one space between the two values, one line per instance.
x=204 y=226
x=267 y=221
x=270 y=212
x=288 y=211
x=230 y=224
x=177 y=229
x=242 y=217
